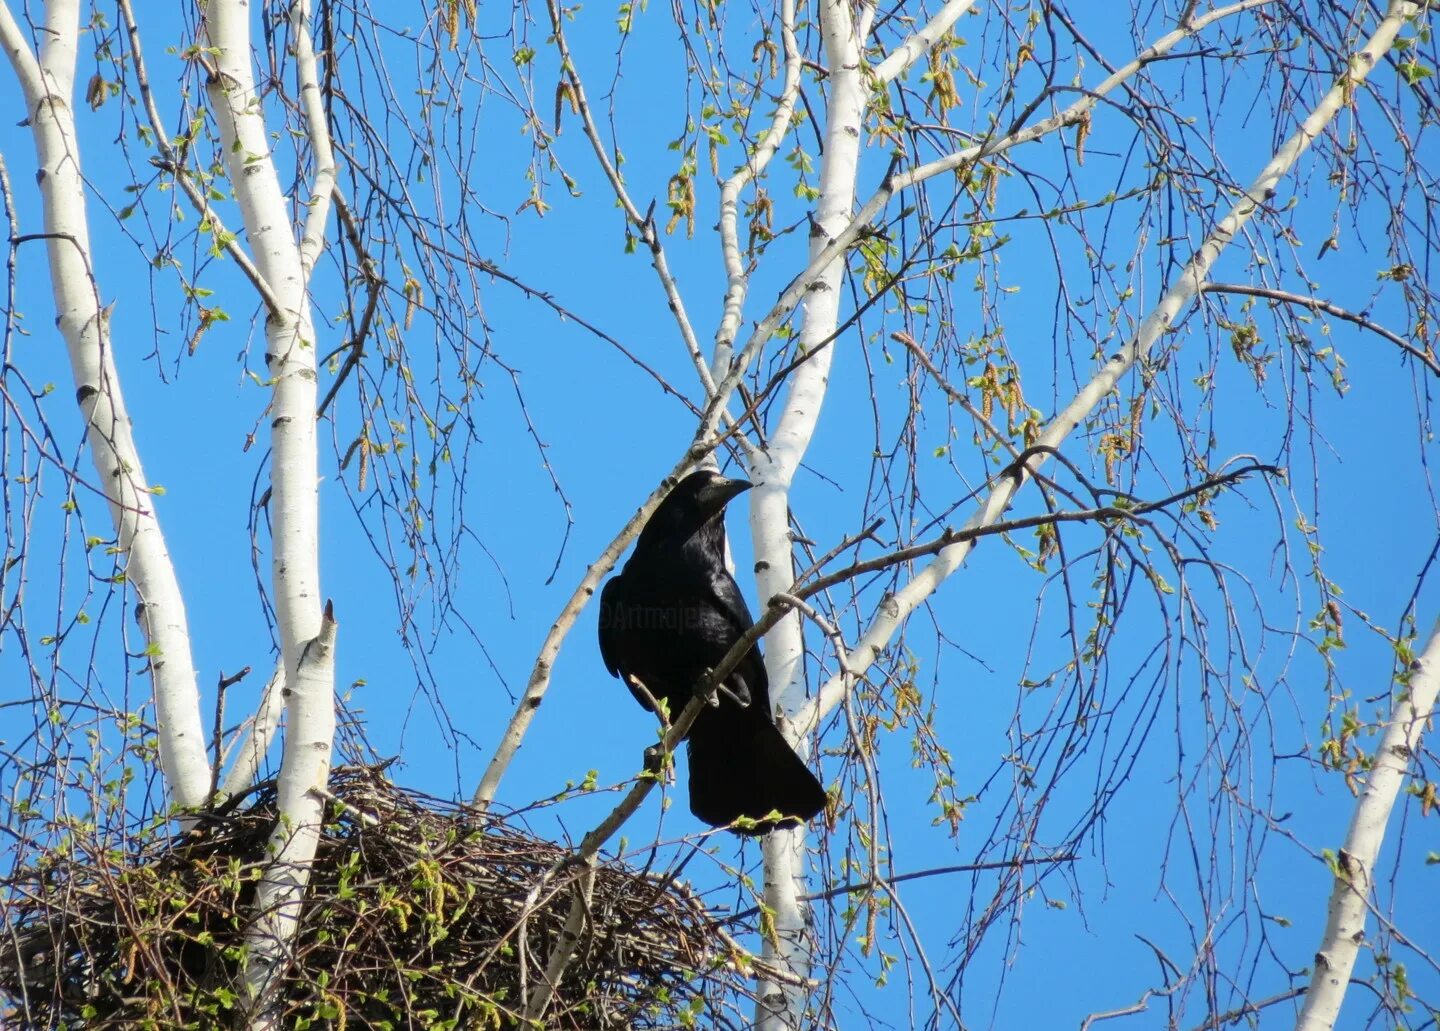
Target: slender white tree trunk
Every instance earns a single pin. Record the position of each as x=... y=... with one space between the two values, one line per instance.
x=1411 y=709
x=307 y=638
x=790 y=946
x=48 y=84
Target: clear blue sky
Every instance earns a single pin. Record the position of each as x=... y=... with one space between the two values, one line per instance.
x=610 y=434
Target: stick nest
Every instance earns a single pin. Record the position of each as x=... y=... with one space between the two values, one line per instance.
x=419 y=915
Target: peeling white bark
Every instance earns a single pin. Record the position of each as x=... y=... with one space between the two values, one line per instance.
x=48 y=85
x=1412 y=707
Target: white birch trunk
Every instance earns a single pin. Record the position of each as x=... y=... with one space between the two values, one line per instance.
x=791 y=946
x=48 y=85
x=306 y=639
x=1412 y=708
x=280 y=896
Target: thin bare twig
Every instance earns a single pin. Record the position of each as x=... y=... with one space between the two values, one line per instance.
x=174 y=163
x=872 y=884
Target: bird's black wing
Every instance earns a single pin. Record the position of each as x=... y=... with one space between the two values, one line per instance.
x=748 y=681
x=610 y=608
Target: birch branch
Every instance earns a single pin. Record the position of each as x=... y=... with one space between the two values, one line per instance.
x=876 y=883
x=47 y=85
x=290 y=344
x=258 y=735
x=317 y=129
x=1425 y=357
x=22 y=59
x=897 y=607
x=174 y=163
x=306 y=636
x=918 y=44
x=738 y=282
x=781 y=1004
x=1412 y=707
x=643 y=223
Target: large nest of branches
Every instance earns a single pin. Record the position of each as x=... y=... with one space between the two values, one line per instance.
x=419 y=914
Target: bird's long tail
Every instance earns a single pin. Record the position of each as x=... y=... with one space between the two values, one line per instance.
x=741 y=765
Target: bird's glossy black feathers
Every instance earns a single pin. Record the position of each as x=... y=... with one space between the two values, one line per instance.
x=671 y=615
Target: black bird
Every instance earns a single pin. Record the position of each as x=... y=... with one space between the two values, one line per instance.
x=668 y=618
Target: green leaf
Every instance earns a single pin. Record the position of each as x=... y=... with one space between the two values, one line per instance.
x=1413 y=71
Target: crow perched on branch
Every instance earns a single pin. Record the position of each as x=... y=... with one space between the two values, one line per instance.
x=668 y=619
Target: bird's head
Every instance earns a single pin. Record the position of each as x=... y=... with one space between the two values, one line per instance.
x=697 y=501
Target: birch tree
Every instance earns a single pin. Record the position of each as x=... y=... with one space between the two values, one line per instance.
x=848 y=61
x=1098 y=288
x=279 y=262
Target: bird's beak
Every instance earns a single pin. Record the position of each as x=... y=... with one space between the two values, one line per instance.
x=719 y=492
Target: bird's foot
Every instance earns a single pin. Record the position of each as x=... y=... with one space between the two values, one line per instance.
x=656 y=765
x=714 y=700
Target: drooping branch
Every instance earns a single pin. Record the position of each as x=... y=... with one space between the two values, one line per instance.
x=1411 y=708
x=1425 y=357
x=172 y=162
x=1185 y=288
x=642 y=223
